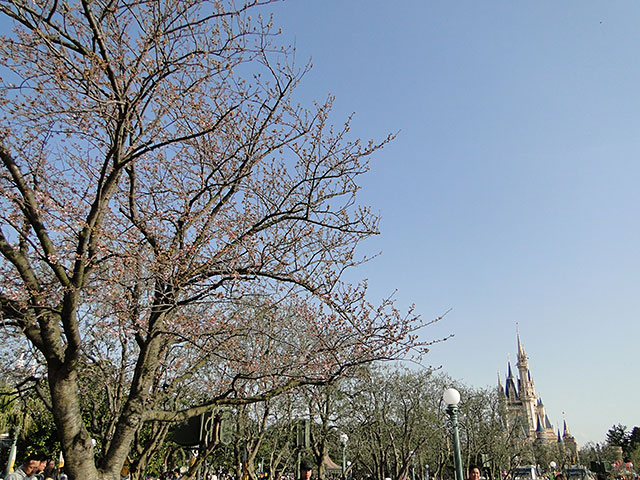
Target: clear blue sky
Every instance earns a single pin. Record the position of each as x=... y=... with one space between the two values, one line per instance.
x=511 y=193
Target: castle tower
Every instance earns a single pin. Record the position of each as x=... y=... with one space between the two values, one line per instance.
x=570 y=444
x=522 y=403
x=526 y=389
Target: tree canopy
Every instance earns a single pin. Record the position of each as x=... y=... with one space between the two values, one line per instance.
x=172 y=223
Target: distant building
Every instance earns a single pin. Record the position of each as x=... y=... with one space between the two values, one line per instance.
x=525 y=410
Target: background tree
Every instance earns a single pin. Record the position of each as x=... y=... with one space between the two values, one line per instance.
x=628 y=441
x=10 y=414
x=251 y=424
x=618 y=436
x=504 y=442
x=396 y=423
x=633 y=449
x=279 y=445
x=169 y=216
x=323 y=404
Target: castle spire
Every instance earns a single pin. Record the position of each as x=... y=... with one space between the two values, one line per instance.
x=547 y=422
x=520 y=347
x=525 y=387
x=539 y=425
x=510 y=389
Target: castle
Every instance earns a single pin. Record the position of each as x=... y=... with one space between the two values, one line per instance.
x=523 y=405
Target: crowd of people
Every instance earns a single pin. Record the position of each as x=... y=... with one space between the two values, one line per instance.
x=37 y=467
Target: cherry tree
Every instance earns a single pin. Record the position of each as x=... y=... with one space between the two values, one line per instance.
x=174 y=228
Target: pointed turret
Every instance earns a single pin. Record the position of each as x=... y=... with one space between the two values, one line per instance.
x=539 y=428
x=511 y=391
x=521 y=352
x=570 y=443
x=559 y=437
x=526 y=388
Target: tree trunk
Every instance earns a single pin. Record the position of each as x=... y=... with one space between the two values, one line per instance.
x=76 y=441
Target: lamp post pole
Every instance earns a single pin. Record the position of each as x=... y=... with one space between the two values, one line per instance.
x=413 y=465
x=12 y=452
x=452 y=397
x=344 y=439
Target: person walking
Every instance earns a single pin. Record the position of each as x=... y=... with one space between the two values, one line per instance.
x=306 y=469
x=474 y=474
x=28 y=470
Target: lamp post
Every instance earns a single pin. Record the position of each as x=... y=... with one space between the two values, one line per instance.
x=344 y=438
x=413 y=465
x=12 y=452
x=452 y=397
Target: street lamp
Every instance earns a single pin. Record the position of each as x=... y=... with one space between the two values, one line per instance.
x=12 y=452
x=452 y=397
x=413 y=465
x=344 y=438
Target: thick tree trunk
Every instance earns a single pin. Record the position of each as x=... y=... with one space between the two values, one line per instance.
x=74 y=437
x=76 y=441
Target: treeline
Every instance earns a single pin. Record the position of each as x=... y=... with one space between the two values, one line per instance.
x=618 y=454
x=393 y=420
